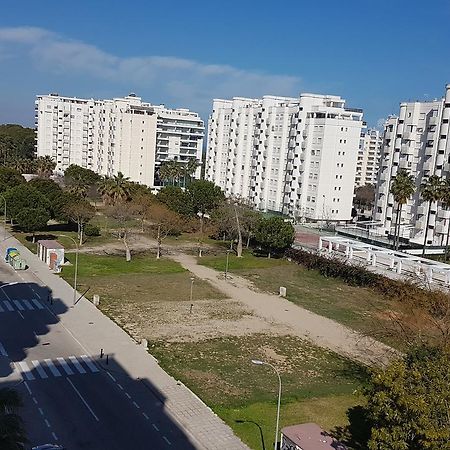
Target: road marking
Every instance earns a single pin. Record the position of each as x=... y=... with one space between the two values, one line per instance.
x=28 y=387
x=65 y=366
x=112 y=378
x=155 y=427
x=83 y=400
x=128 y=395
x=35 y=401
x=40 y=411
x=167 y=440
x=89 y=363
x=1 y=309
x=28 y=305
x=3 y=352
x=136 y=405
x=18 y=305
x=120 y=386
x=26 y=370
x=55 y=437
x=145 y=415
x=52 y=367
x=8 y=305
x=77 y=365
x=40 y=370
x=20 y=314
x=47 y=423
x=38 y=305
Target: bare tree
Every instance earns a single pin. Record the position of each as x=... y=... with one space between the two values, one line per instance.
x=123 y=213
x=164 y=222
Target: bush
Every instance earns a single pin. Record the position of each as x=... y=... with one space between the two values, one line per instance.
x=91 y=230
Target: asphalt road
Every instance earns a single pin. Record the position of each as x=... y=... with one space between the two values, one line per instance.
x=71 y=398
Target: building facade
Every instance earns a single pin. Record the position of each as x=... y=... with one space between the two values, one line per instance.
x=296 y=156
x=120 y=135
x=417 y=141
x=368 y=157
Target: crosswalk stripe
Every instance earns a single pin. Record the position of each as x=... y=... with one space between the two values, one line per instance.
x=28 y=305
x=77 y=365
x=18 y=305
x=52 y=367
x=38 y=305
x=8 y=305
x=40 y=370
x=65 y=366
x=26 y=370
x=89 y=363
x=2 y=350
x=1 y=309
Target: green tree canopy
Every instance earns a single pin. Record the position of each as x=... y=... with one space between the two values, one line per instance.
x=274 y=234
x=204 y=196
x=408 y=402
x=31 y=220
x=16 y=142
x=10 y=178
x=12 y=430
x=25 y=196
x=87 y=176
x=175 y=199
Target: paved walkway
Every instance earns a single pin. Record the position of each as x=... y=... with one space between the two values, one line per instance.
x=93 y=330
x=300 y=322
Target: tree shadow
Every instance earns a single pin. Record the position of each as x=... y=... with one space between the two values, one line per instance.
x=357 y=433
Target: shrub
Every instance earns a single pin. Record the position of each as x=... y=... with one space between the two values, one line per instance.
x=91 y=230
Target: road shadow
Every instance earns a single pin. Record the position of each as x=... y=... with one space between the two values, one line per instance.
x=86 y=402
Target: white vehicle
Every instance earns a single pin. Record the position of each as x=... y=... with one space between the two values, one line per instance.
x=48 y=447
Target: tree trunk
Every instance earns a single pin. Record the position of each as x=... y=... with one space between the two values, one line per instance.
x=268 y=255
x=127 y=248
x=397 y=227
x=81 y=235
x=446 y=241
x=248 y=240
x=426 y=230
x=200 y=251
x=239 y=244
x=158 y=240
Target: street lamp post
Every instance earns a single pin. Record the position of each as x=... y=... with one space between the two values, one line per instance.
x=226 y=265
x=4 y=231
x=76 y=267
x=263 y=363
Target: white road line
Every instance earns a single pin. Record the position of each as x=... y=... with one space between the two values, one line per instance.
x=112 y=378
x=28 y=305
x=41 y=412
x=18 y=305
x=52 y=367
x=120 y=386
x=136 y=405
x=54 y=436
x=26 y=370
x=89 y=363
x=38 y=305
x=1 y=309
x=65 y=366
x=20 y=314
x=145 y=415
x=83 y=400
x=3 y=352
x=155 y=427
x=167 y=440
x=47 y=423
x=8 y=305
x=40 y=370
x=128 y=395
x=77 y=365
x=28 y=387
x=35 y=401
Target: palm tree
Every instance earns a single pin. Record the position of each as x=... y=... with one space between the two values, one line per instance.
x=117 y=188
x=431 y=192
x=445 y=199
x=12 y=431
x=78 y=186
x=189 y=169
x=45 y=166
x=402 y=188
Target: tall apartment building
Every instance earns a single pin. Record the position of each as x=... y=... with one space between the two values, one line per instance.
x=417 y=140
x=368 y=157
x=292 y=155
x=120 y=135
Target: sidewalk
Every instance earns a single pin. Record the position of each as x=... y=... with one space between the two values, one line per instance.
x=303 y=323
x=93 y=331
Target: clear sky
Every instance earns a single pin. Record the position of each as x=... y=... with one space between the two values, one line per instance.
x=374 y=53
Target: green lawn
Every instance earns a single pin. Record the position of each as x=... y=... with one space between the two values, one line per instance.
x=359 y=308
x=318 y=385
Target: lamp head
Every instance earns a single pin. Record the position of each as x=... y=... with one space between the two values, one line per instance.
x=257 y=362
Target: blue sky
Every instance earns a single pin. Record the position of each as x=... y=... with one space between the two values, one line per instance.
x=374 y=53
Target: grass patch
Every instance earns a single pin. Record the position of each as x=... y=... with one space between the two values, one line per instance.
x=248 y=261
x=318 y=385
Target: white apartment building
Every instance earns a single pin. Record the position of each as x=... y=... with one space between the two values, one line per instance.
x=120 y=135
x=292 y=155
x=417 y=140
x=368 y=157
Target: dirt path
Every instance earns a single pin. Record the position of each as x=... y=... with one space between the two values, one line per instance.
x=299 y=321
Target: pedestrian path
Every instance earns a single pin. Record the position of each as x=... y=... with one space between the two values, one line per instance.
x=57 y=367
x=20 y=305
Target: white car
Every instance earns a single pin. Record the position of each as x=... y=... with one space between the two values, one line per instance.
x=48 y=447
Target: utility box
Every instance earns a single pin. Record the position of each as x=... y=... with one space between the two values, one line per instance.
x=14 y=259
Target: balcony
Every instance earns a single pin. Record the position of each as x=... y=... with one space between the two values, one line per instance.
x=428 y=166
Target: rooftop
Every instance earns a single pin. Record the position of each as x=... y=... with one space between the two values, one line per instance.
x=49 y=243
x=309 y=436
